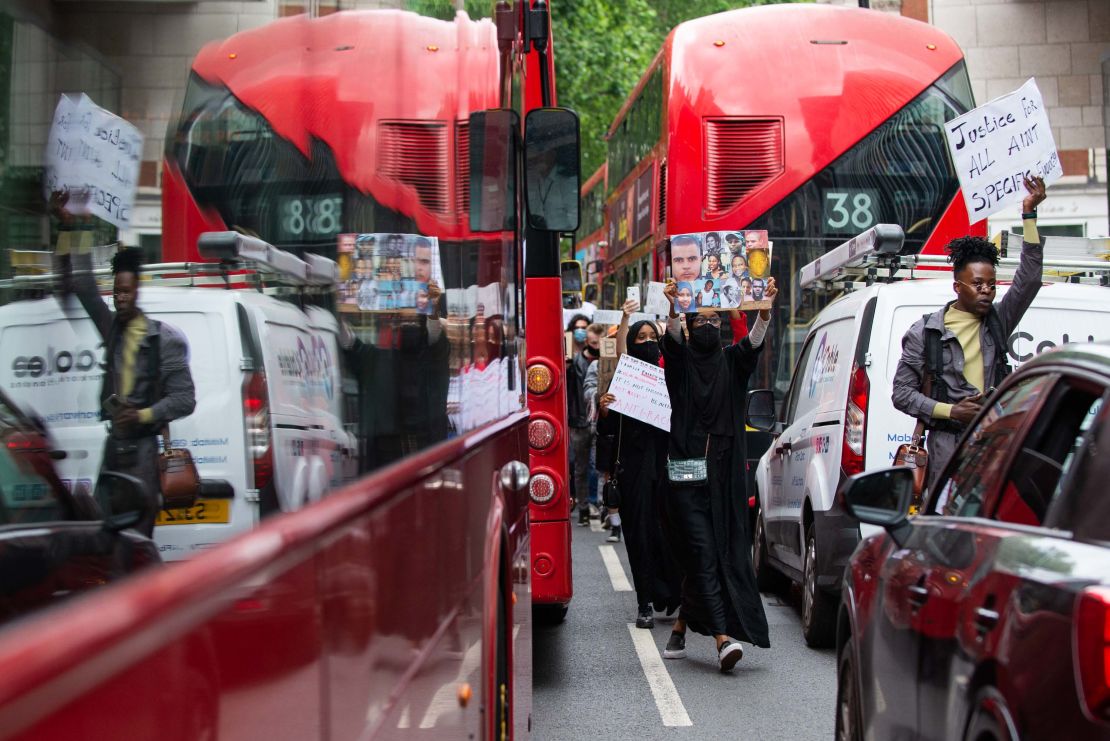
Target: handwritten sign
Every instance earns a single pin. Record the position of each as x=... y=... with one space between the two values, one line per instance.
x=93 y=151
x=996 y=145
x=608 y=316
x=641 y=392
x=657 y=302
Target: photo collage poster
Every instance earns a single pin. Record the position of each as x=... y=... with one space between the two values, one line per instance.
x=721 y=270
x=389 y=271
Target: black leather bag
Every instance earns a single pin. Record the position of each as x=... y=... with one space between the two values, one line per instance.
x=611 y=492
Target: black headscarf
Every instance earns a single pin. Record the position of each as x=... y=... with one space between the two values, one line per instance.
x=647 y=352
x=710 y=392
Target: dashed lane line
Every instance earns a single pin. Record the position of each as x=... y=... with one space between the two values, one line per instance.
x=615 y=569
x=671 y=709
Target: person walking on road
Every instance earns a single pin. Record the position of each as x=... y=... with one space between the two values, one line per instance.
x=578 y=419
x=708 y=517
x=962 y=345
x=636 y=464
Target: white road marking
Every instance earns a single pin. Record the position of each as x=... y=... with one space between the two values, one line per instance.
x=671 y=709
x=616 y=571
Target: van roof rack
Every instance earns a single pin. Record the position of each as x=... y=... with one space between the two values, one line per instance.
x=244 y=262
x=877 y=256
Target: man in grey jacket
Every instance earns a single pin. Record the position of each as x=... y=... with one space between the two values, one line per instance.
x=969 y=336
x=146 y=383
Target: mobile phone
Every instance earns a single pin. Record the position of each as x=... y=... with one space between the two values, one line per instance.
x=633 y=294
x=113 y=405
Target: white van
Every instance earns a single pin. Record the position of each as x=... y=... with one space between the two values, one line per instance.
x=269 y=412
x=840 y=397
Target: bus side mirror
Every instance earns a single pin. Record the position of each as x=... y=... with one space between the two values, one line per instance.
x=592 y=293
x=570 y=271
x=493 y=152
x=552 y=177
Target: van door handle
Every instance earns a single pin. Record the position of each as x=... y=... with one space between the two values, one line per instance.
x=784 y=448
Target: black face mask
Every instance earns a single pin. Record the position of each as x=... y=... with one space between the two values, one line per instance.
x=705 y=338
x=646 y=351
x=591 y=351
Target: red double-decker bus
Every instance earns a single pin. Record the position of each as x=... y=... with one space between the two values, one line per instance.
x=400 y=605
x=814 y=122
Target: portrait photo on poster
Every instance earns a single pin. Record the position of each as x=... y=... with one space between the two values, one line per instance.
x=721 y=269
x=390 y=271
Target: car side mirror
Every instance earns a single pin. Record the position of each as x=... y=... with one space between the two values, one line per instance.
x=880 y=497
x=551 y=169
x=123 y=499
x=761 y=410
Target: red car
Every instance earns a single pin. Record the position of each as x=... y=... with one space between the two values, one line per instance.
x=988 y=615
x=54 y=543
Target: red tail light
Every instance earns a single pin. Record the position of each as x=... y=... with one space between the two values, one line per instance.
x=256 y=415
x=855 y=422
x=1092 y=651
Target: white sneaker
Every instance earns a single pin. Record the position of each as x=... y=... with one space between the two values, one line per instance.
x=729 y=653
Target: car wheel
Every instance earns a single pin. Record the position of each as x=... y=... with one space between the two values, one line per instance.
x=989 y=720
x=849 y=719
x=818 y=608
x=767 y=579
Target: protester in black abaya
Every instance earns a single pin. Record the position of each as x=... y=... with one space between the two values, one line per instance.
x=708 y=521
x=637 y=462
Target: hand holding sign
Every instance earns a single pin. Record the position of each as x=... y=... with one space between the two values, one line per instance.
x=1001 y=146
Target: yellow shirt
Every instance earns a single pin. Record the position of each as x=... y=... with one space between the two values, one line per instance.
x=132 y=337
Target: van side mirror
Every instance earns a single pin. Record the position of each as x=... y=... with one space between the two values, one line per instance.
x=761 y=410
x=880 y=497
x=124 y=500
x=494 y=137
x=551 y=169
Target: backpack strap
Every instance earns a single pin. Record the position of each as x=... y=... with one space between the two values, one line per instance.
x=1002 y=366
x=934 y=362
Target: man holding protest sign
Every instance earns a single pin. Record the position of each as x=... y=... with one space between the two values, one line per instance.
x=953 y=358
x=707 y=501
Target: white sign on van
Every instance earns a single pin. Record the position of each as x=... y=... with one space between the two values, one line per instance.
x=996 y=145
x=641 y=392
x=93 y=151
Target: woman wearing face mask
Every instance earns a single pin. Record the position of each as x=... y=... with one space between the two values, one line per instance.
x=637 y=459
x=578 y=418
x=708 y=518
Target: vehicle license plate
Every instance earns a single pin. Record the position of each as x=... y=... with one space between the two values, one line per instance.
x=204 y=512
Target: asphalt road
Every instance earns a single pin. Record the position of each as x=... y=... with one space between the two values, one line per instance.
x=597 y=676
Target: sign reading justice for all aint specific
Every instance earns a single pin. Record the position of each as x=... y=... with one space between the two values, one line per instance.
x=996 y=145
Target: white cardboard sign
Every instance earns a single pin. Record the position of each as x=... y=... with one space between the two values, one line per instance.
x=657 y=302
x=641 y=392
x=994 y=146
x=95 y=151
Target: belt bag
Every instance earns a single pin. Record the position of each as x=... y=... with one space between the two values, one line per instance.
x=177 y=474
x=689 y=471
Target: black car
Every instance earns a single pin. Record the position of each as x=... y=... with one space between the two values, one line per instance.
x=55 y=543
x=987 y=616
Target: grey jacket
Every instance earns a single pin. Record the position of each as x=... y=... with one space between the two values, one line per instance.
x=165 y=386
x=907 y=396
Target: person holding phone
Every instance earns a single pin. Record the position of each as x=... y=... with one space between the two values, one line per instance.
x=146 y=383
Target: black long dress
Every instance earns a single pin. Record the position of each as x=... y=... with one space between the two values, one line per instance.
x=641 y=450
x=709 y=523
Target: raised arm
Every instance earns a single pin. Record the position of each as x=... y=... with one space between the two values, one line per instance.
x=1027 y=281
x=74 y=251
x=630 y=307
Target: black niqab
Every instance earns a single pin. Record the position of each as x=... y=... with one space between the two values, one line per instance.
x=710 y=391
x=647 y=352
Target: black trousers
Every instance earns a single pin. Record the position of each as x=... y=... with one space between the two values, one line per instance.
x=691 y=519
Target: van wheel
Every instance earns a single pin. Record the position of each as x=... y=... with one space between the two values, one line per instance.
x=767 y=579
x=818 y=608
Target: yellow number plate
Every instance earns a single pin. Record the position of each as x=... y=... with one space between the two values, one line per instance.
x=204 y=512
